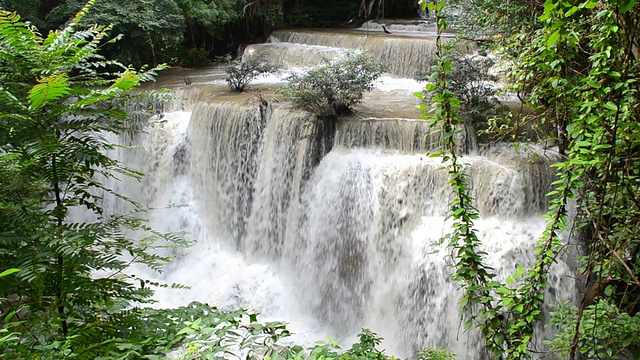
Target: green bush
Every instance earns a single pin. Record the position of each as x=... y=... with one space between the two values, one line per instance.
x=605 y=331
x=241 y=72
x=365 y=349
x=435 y=354
x=60 y=103
x=334 y=88
x=471 y=82
x=194 y=58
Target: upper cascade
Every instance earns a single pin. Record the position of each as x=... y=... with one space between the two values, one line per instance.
x=295 y=55
x=407 y=53
x=425 y=26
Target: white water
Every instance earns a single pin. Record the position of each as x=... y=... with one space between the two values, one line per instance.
x=408 y=54
x=330 y=245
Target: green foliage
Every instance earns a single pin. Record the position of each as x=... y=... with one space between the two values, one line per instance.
x=59 y=102
x=471 y=81
x=502 y=18
x=505 y=313
x=265 y=14
x=30 y=10
x=210 y=15
x=333 y=88
x=195 y=331
x=212 y=27
x=324 y=13
x=435 y=354
x=157 y=26
x=605 y=333
x=200 y=331
x=577 y=64
x=6 y=334
x=365 y=349
x=154 y=31
x=193 y=58
x=241 y=72
x=586 y=56
x=475 y=277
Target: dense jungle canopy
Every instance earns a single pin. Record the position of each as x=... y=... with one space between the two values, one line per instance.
x=192 y=32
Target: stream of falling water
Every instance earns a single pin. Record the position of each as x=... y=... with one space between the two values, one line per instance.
x=335 y=241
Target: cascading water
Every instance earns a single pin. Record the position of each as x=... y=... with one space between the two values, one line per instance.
x=331 y=237
x=408 y=53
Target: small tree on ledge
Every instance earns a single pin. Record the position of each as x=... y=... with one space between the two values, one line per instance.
x=241 y=72
x=333 y=88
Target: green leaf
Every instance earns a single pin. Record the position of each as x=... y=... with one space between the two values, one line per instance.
x=553 y=38
x=591 y=4
x=50 y=88
x=627 y=6
x=549 y=6
x=572 y=11
x=9 y=272
x=611 y=106
x=126 y=82
x=594 y=84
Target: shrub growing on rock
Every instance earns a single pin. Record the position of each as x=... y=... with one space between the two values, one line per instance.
x=334 y=88
x=472 y=82
x=241 y=72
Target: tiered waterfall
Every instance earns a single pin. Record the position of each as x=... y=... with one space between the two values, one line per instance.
x=330 y=233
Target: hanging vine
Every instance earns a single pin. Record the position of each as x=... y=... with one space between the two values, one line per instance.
x=504 y=313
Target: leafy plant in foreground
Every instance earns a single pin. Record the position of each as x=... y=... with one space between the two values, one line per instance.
x=435 y=354
x=7 y=335
x=59 y=103
x=578 y=64
x=504 y=313
x=607 y=332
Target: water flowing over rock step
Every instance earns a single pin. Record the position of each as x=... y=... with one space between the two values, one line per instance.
x=404 y=135
x=390 y=97
x=401 y=26
x=407 y=55
x=412 y=186
x=506 y=182
x=347 y=239
x=295 y=55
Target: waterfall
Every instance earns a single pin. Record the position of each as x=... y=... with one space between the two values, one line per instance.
x=290 y=55
x=228 y=137
x=400 y=51
x=331 y=234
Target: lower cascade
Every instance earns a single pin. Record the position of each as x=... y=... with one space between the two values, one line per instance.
x=330 y=234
